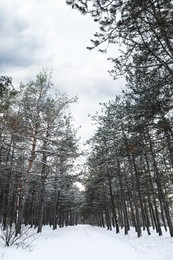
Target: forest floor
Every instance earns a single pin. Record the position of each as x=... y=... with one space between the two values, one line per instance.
x=84 y=242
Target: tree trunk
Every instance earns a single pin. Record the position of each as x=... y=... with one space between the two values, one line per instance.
x=23 y=189
x=113 y=204
x=55 y=210
x=41 y=205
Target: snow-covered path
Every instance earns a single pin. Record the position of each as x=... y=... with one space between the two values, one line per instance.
x=91 y=243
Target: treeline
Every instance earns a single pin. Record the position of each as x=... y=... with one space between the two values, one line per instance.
x=130 y=169
x=130 y=166
x=38 y=147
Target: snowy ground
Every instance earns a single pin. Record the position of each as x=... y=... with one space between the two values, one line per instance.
x=84 y=242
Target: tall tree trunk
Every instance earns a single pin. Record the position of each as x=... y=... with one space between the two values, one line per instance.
x=55 y=210
x=23 y=190
x=113 y=203
x=124 y=208
x=41 y=204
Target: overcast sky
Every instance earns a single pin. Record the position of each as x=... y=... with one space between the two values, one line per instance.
x=36 y=34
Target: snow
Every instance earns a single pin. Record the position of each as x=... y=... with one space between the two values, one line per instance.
x=84 y=242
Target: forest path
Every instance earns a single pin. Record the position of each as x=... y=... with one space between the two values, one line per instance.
x=81 y=242
x=84 y=242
